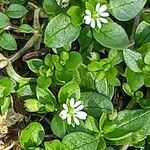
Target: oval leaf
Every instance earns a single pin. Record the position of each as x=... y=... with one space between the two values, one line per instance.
x=16 y=11
x=4 y=20
x=7 y=41
x=80 y=141
x=112 y=35
x=95 y=103
x=126 y=9
x=60 y=32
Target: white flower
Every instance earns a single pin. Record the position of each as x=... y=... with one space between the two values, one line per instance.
x=96 y=17
x=73 y=113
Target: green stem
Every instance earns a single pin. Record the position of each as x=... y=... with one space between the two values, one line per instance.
x=26 y=47
x=146 y=10
x=134 y=27
x=36 y=23
x=125 y=147
x=130 y=104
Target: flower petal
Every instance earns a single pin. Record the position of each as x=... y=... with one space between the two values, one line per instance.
x=76 y=120
x=63 y=114
x=99 y=23
x=88 y=12
x=104 y=14
x=77 y=104
x=97 y=6
x=92 y=23
x=69 y=120
x=81 y=115
x=65 y=107
x=103 y=20
x=72 y=102
x=87 y=19
x=80 y=107
x=102 y=8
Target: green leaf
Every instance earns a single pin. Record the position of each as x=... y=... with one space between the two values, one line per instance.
x=80 y=141
x=4 y=20
x=95 y=103
x=134 y=80
x=102 y=86
x=33 y=105
x=28 y=90
x=69 y=90
x=17 y=1
x=16 y=11
x=53 y=145
x=44 y=82
x=34 y=64
x=8 y=85
x=145 y=103
x=116 y=38
x=127 y=122
x=4 y=108
x=32 y=135
x=87 y=78
x=25 y=28
x=126 y=9
x=147 y=58
x=7 y=41
x=147 y=80
x=91 y=124
x=85 y=37
x=51 y=7
x=133 y=139
x=143 y=33
x=75 y=13
x=60 y=32
x=58 y=126
x=45 y=95
x=132 y=59
x=102 y=144
x=74 y=61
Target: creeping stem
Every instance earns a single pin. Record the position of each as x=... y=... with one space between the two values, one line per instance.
x=26 y=47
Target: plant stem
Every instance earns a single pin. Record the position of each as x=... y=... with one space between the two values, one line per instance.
x=125 y=147
x=26 y=47
x=146 y=10
x=134 y=27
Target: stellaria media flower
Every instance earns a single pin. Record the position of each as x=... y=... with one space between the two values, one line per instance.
x=97 y=17
x=73 y=112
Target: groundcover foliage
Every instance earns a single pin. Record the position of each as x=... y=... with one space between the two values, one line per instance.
x=74 y=74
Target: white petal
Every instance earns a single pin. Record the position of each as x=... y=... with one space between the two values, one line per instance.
x=99 y=23
x=92 y=23
x=71 y=102
x=102 y=8
x=69 y=120
x=65 y=107
x=63 y=114
x=97 y=6
x=103 y=20
x=104 y=14
x=76 y=120
x=87 y=19
x=81 y=115
x=77 y=104
x=79 y=108
x=88 y=12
